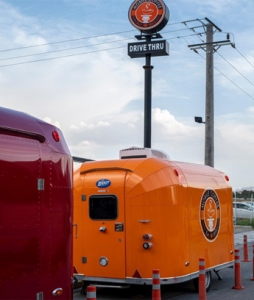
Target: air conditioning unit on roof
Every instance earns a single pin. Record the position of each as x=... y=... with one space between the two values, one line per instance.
x=136 y=152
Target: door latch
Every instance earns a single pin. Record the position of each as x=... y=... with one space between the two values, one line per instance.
x=102 y=229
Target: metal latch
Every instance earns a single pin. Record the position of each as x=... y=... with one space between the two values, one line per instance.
x=84 y=260
x=118 y=226
x=39 y=296
x=103 y=229
x=40 y=184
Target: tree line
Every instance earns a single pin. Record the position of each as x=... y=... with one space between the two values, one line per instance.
x=244 y=194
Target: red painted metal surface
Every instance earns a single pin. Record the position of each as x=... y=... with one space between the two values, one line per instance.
x=35 y=209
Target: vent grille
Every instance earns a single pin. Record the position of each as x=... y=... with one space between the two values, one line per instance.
x=136 y=152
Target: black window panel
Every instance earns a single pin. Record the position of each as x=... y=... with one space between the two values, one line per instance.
x=103 y=207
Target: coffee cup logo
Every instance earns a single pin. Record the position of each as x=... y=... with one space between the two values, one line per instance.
x=148 y=16
x=146 y=12
x=210 y=215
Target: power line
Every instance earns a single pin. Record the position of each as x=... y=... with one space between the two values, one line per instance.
x=74 y=48
x=233 y=46
x=193 y=28
x=77 y=39
x=65 y=41
x=243 y=56
x=51 y=58
x=195 y=50
x=76 y=54
x=234 y=68
x=171 y=31
x=228 y=78
x=183 y=36
x=61 y=50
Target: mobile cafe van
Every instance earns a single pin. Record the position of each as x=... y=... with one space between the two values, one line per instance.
x=145 y=212
x=35 y=210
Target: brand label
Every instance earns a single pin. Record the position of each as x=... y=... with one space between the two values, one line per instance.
x=159 y=48
x=103 y=183
x=149 y=16
x=210 y=214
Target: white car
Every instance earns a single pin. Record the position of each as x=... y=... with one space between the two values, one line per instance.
x=250 y=203
x=243 y=210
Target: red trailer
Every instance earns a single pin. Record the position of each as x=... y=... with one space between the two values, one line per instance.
x=36 y=171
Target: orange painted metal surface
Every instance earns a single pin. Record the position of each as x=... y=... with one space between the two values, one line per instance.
x=185 y=209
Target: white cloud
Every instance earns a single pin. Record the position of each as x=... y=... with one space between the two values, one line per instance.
x=234 y=148
x=98 y=98
x=251 y=110
x=55 y=123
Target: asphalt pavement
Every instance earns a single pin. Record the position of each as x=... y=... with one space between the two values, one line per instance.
x=220 y=290
x=240 y=231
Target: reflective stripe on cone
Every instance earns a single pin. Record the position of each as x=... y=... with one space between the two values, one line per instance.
x=238 y=283
x=202 y=280
x=156 y=293
x=91 y=293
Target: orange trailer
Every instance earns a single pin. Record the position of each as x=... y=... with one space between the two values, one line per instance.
x=145 y=212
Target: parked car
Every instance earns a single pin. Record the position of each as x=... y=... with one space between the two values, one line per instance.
x=243 y=210
x=250 y=203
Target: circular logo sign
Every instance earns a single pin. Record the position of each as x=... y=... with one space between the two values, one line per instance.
x=210 y=215
x=103 y=183
x=149 y=16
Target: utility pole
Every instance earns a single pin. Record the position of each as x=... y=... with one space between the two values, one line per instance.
x=209 y=114
x=209 y=47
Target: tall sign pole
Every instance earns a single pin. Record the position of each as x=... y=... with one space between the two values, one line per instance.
x=148 y=101
x=149 y=17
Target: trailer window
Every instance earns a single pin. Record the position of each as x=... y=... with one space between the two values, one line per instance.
x=103 y=207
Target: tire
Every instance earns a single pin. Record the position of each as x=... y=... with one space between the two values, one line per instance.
x=74 y=282
x=208 y=279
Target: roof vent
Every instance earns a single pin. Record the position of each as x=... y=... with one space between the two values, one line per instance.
x=136 y=152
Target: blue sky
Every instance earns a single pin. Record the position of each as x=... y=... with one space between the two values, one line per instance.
x=97 y=98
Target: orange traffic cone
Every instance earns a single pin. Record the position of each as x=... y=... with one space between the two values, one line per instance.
x=245 y=249
x=91 y=293
x=202 y=280
x=156 y=294
x=238 y=283
x=252 y=264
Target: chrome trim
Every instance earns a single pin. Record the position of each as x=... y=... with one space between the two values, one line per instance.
x=55 y=292
x=103 y=258
x=112 y=286
x=39 y=296
x=163 y=281
x=40 y=184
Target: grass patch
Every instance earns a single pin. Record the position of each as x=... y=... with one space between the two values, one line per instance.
x=245 y=222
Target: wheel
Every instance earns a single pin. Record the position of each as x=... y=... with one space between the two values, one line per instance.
x=208 y=281
x=74 y=282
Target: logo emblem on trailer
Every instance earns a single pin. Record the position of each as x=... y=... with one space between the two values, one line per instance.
x=148 y=16
x=210 y=214
x=103 y=183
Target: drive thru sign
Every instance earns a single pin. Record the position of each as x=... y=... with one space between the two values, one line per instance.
x=158 y=48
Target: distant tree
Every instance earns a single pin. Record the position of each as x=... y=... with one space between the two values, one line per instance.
x=243 y=194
